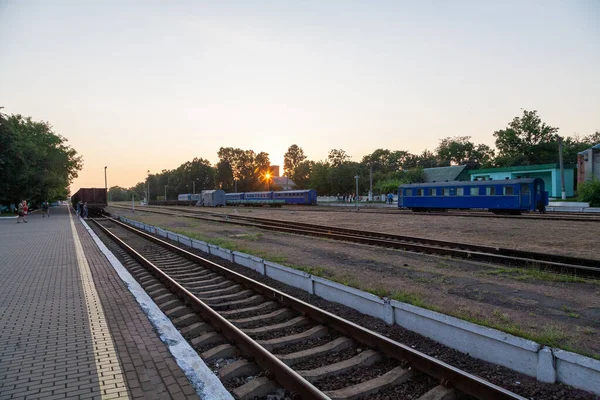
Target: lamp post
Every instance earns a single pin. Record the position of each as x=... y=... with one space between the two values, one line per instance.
x=105 y=184
x=148 y=200
x=356 y=193
x=194 y=187
x=166 y=192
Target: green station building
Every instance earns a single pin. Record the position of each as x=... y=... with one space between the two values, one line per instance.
x=550 y=173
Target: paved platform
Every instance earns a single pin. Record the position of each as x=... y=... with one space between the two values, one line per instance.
x=69 y=328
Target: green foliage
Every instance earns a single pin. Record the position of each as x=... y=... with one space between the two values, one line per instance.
x=590 y=192
x=526 y=141
x=460 y=150
x=292 y=160
x=246 y=166
x=35 y=163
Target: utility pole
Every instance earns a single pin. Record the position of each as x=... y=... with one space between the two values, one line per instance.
x=356 y=193
x=148 y=200
x=371 y=184
x=105 y=184
x=193 y=187
x=166 y=192
x=562 y=169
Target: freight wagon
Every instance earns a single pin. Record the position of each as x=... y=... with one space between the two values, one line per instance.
x=94 y=197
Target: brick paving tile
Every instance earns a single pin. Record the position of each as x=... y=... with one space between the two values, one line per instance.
x=47 y=347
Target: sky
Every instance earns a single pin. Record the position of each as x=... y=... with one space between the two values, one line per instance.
x=149 y=85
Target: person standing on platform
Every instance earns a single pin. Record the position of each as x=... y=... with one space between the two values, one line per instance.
x=79 y=204
x=85 y=210
x=25 y=209
x=20 y=211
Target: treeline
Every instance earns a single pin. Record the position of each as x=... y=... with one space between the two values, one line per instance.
x=525 y=141
x=36 y=164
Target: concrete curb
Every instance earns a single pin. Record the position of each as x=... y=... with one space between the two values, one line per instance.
x=526 y=356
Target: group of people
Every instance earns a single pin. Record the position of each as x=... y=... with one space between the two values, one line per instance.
x=23 y=210
x=82 y=209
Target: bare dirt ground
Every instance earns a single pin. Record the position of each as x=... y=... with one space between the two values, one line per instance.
x=559 y=313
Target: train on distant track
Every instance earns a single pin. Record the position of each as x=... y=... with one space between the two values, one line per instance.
x=510 y=196
x=94 y=197
x=272 y=198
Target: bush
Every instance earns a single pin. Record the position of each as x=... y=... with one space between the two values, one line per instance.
x=590 y=192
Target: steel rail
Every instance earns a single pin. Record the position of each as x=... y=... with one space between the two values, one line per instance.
x=275 y=368
x=448 y=375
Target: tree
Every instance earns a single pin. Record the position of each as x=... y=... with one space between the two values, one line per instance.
x=302 y=173
x=35 y=163
x=459 y=150
x=526 y=141
x=246 y=166
x=319 y=178
x=292 y=159
x=337 y=157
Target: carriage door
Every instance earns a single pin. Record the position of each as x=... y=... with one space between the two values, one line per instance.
x=525 y=196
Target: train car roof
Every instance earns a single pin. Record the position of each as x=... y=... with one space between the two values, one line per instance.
x=472 y=183
x=294 y=191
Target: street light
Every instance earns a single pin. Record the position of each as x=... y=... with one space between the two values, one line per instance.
x=166 y=192
x=105 y=184
x=148 y=200
x=356 y=193
x=194 y=187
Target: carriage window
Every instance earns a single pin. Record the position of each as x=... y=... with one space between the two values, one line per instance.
x=474 y=191
x=431 y=192
x=460 y=191
x=524 y=188
x=490 y=191
x=508 y=190
x=446 y=191
x=409 y=192
x=419 y=192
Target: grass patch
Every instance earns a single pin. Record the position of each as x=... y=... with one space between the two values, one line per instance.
x=315 y=271
x=412 y=298
x=523 y=274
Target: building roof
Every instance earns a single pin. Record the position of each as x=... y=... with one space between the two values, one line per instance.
x=520 y=168
x=283 y=180
x=595 y=147
x=442 y=174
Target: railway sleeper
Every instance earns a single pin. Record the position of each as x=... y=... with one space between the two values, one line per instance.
x=261 y=307
x=208 y=338
x=239 y=368
x=439 y=393
x=223 y=351
x=298 y=321
x=219 y=299
x=235 y=288
x=215 y=287
x=364 y=359
x=277 y=343
x=396 y=376
x=245 y=322
x=256 y=299
x=186 y=320
x=197 y=328
x=255 y=389
x=197 y=284
x=339 y=344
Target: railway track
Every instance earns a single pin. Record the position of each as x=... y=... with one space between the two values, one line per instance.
x=550 y=216
x=263 y=341
x=517 y=258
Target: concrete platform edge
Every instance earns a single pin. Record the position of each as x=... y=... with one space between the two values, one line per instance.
x=204 y=381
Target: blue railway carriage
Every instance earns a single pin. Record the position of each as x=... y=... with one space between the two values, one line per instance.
x=188 y=197
x=511 y=196
x=307 y=197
